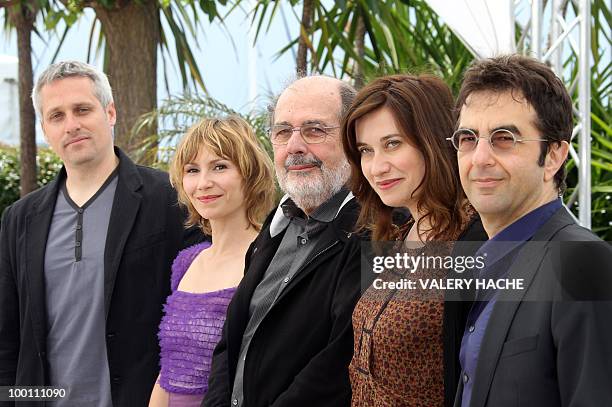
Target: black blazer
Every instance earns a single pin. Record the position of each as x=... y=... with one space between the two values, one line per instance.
x=300 y=353
x=544 y=348
x=144 y=235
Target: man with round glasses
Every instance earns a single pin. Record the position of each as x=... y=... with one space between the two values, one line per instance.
x=550 y=343
x=500 y=139
x=288 y=338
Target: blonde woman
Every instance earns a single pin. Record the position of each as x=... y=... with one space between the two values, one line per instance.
x=225 y=181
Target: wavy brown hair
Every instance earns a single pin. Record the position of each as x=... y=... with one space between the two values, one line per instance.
x=231 y=138
x=423 y=110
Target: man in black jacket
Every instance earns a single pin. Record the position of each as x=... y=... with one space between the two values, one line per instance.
x=549 y=342
x=85 y=261
x=288 y=336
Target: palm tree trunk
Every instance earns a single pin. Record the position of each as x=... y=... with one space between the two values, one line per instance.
x=360 y=51
x=22 y=17
x=301 y=59
x=132 y=32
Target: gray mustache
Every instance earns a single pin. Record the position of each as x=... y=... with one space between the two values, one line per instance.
x=299 y=159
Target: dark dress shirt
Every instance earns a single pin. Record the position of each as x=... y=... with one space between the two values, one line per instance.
x=500 y=252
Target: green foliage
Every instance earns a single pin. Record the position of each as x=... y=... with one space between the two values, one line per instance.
x=601 y=117
x=69 y=15
x=177 y=114
x=174 y=117
x=48 y=165
x=180 y=21
x=400 y=37
x=407 y=36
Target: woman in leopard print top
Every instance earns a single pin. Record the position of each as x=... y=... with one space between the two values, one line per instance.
x=406 y=342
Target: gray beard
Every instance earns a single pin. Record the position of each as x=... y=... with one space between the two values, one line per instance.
x=312 y=189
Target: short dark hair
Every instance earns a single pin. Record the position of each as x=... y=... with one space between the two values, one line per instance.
x=537 y=84
x=422 y=107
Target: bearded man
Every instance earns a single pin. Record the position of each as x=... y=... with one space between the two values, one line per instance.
x=288 y=337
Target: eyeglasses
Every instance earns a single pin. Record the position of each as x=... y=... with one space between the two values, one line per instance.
x=311 y=133
x=465 y=140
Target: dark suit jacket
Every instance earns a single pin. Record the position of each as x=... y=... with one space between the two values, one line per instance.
x=300 y=352
x=542 y=347
x=144 y=235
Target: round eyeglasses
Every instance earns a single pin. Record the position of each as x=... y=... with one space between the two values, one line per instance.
x=311 y=133
x=465 y=140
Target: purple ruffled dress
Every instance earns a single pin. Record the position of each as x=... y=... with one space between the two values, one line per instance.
x=188 y=334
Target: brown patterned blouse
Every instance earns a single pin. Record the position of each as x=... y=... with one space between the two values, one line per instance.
x=398 y=353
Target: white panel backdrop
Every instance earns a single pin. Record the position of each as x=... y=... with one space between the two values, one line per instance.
x=9 y=101
x=486 y=27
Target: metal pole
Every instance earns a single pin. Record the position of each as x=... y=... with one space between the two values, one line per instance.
x=536 y=30
x=555 y=32
x=584 y=105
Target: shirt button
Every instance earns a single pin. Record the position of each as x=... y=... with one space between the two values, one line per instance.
x=78 y=244
x=471 y=328
x=234 y=402
x=80 y=210
x=79 y=227
x=304 y=241
x=286 y=280
x=465 y=378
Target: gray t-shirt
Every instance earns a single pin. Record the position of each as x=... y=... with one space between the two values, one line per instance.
x=74 y=282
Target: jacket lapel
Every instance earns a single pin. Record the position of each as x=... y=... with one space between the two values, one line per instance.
x=258 y=257
x=38 y=223
x=123 y=214
x=525 y=266
x=458 y=394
